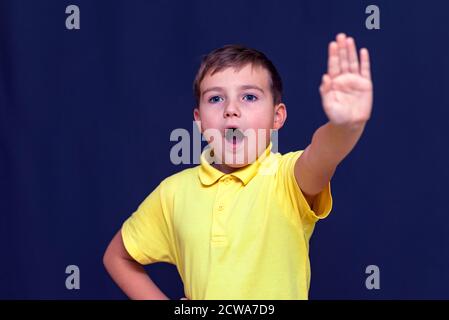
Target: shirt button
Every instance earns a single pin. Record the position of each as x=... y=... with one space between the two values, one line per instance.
x=220 y=207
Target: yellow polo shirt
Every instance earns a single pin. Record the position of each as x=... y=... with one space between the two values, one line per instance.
x=243 y=235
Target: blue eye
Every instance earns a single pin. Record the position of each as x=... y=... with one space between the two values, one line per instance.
x=250 y=97
x=215 y=99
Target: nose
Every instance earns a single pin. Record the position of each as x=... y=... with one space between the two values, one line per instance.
x=231 y=110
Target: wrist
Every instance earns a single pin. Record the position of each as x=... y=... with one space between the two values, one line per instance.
x=349 y=127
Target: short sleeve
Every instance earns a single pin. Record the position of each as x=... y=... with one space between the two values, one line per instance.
x=322 y=203
x=147 y=232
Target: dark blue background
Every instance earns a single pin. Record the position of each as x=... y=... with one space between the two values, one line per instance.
x=86 y=115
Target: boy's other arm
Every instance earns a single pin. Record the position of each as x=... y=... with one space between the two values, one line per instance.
x=129 y=275
x=347 y=94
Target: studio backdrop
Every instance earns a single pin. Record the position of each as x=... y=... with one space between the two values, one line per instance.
x=90 y=92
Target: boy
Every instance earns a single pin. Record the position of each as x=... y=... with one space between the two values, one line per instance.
x=233 y=228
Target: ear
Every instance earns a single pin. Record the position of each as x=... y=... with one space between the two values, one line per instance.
x=280 y=115
x=197 y=118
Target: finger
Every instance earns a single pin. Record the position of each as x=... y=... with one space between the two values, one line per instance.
x=352 y=56
x=333 y=64
x=343 y=52
x=326 y=83
x=365 y=68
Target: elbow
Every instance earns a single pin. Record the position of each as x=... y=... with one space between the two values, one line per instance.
x=107 y=258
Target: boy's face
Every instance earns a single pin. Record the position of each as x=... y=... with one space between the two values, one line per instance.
x=242 y=100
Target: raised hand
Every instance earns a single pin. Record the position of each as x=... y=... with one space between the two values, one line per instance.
x=346 y=90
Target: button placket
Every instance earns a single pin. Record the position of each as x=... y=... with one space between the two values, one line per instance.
x=218 y=220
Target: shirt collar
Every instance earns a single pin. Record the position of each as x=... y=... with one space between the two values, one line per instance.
x=209 y=175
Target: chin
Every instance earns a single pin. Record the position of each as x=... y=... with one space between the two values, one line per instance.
x=238 y=155
x=236 y=165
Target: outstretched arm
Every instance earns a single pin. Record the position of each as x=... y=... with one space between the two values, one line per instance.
x=347 y=94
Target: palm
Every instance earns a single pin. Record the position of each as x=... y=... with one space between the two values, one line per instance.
x=346 y=90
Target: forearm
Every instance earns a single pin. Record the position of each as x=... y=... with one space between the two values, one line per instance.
x=132 y=278
x=129 y=275
x=331 y=144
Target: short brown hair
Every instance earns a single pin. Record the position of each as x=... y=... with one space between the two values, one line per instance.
x=237 y=56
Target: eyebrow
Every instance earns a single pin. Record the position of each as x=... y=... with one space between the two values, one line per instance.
x=244 y=87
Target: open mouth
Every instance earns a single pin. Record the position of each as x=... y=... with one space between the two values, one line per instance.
x=234 y=136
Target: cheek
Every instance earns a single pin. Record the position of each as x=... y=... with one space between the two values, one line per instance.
x=262 y=118
x=210 y=124
x=208 y=118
